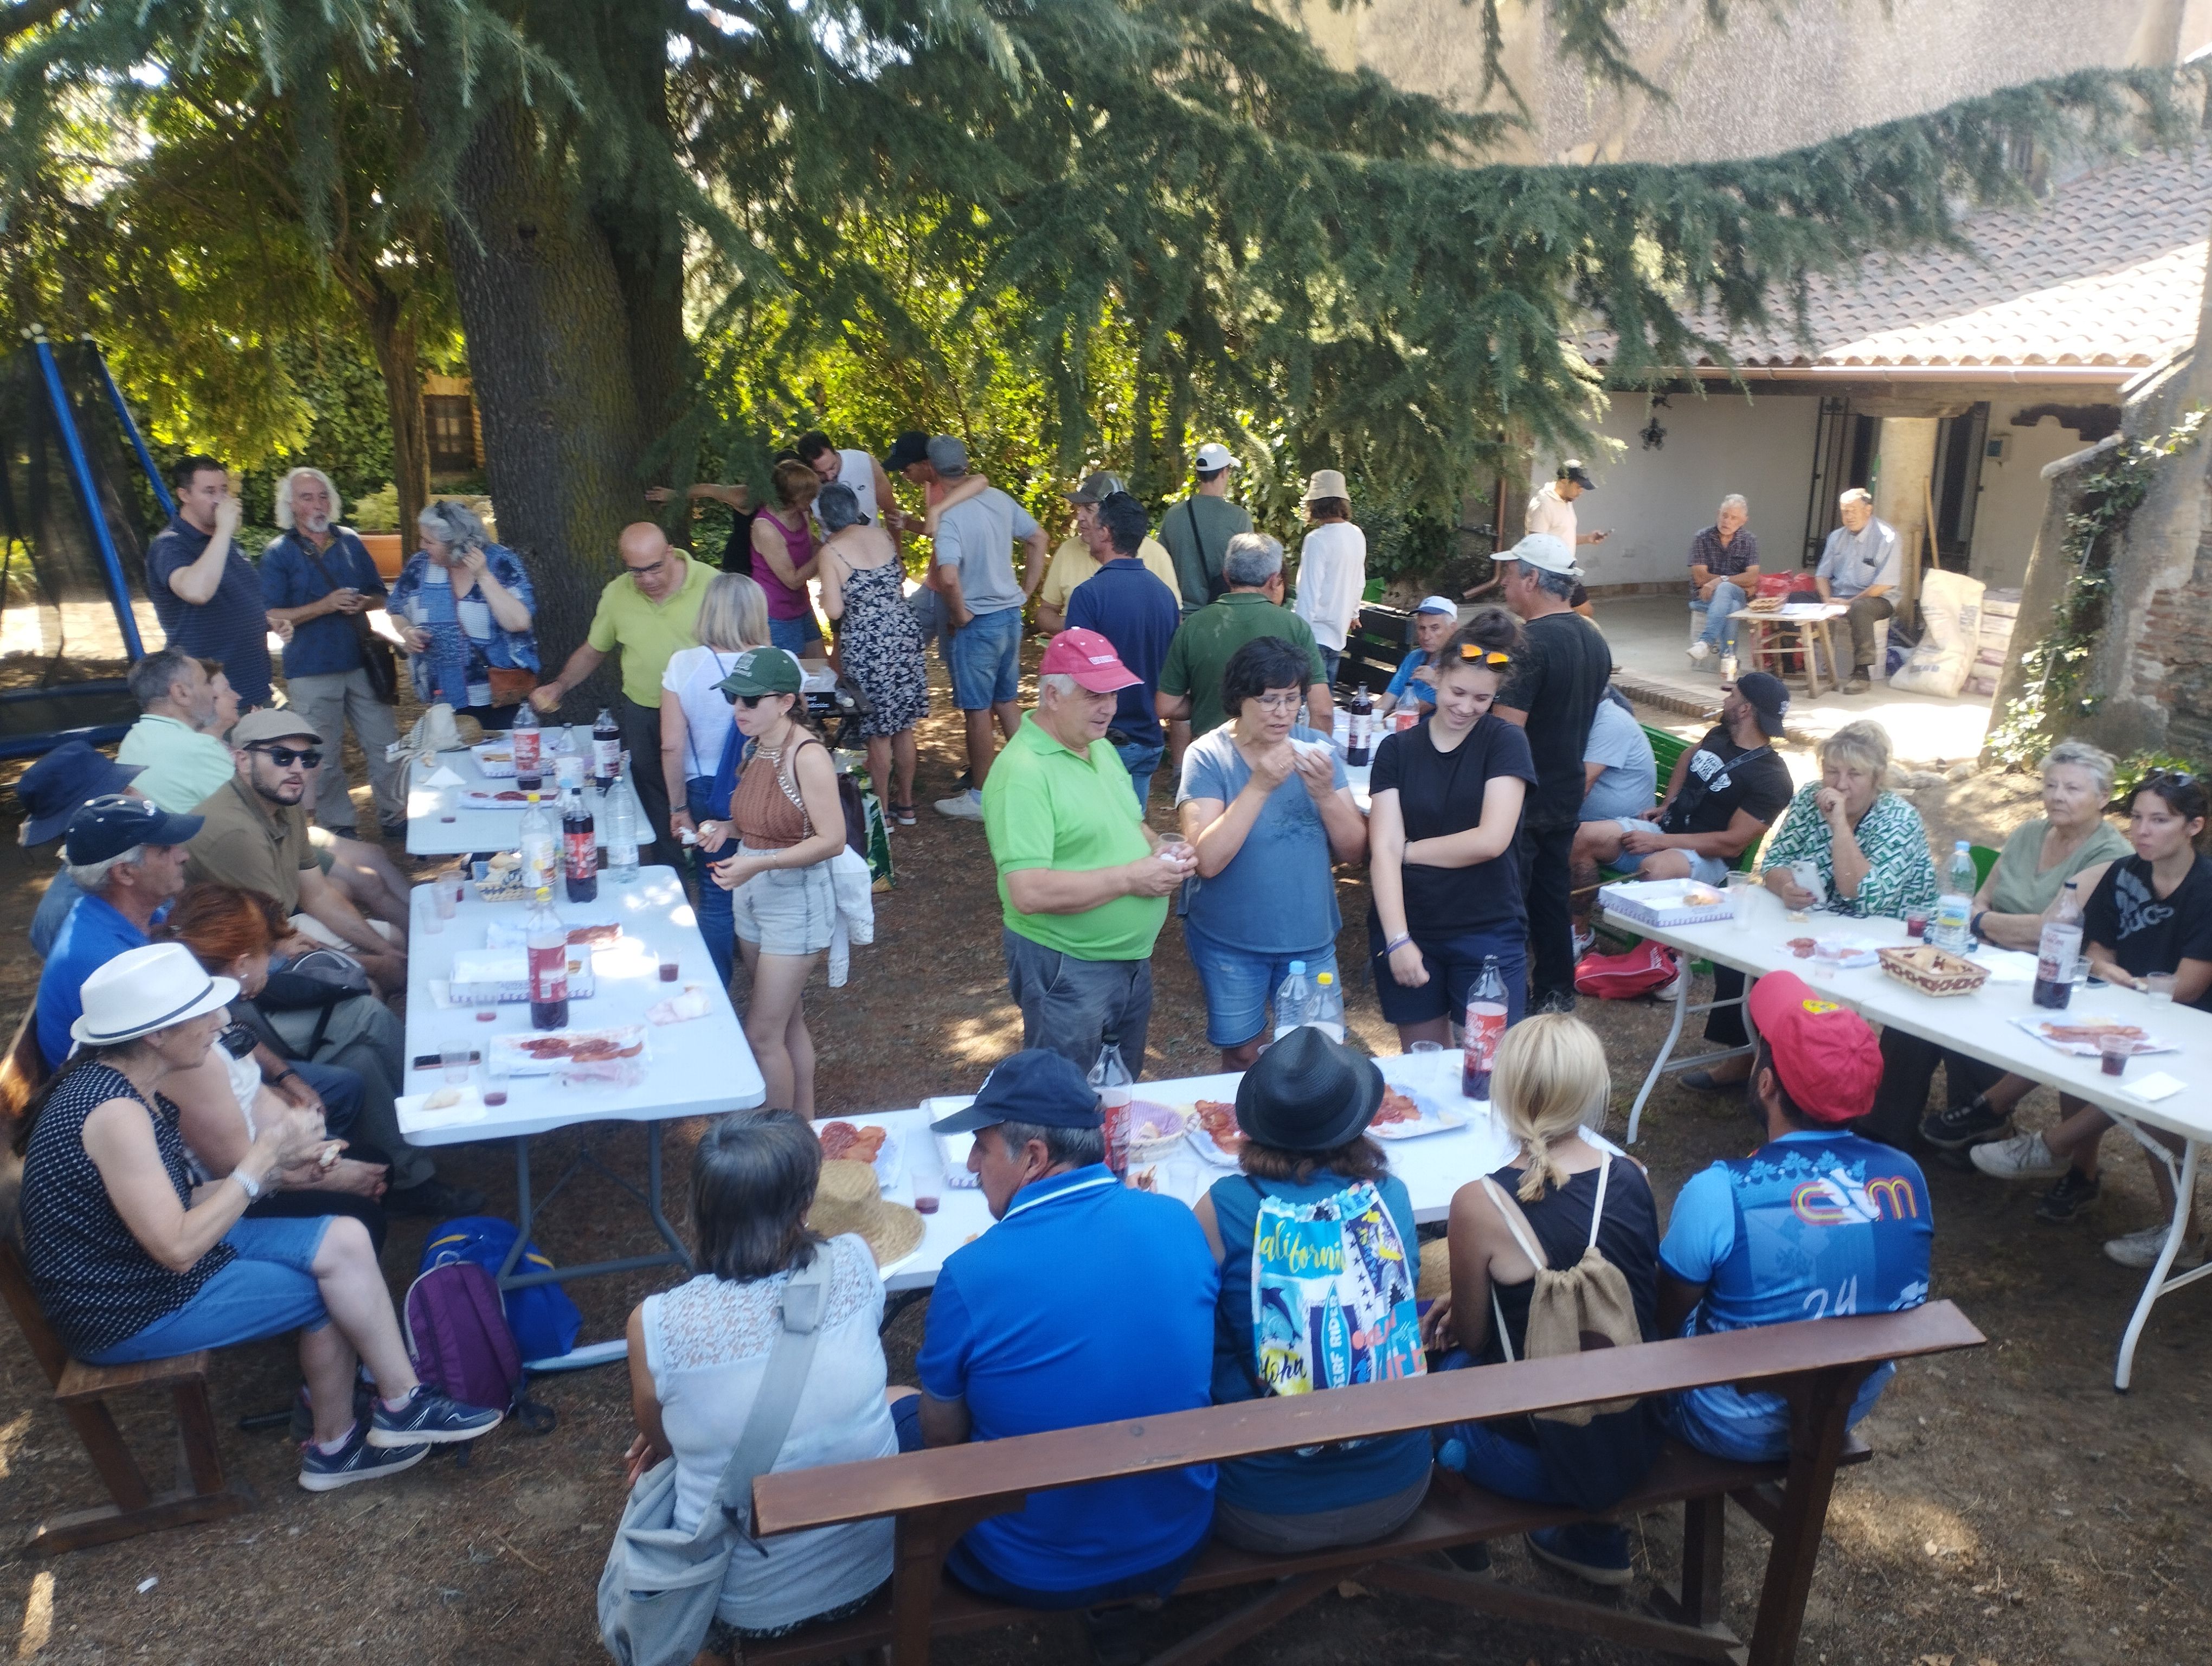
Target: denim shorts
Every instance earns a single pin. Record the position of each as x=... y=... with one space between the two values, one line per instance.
x=1240 y=982
x=267 y=1290
x=987 y=661
x=792 y=636
x=785 y=910
x=1454 y=963
x=1706 y=870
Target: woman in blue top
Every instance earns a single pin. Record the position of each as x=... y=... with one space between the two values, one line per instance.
x=464 y=605
x=1311 y=1174
x=1265 y=806
x=1415 y=684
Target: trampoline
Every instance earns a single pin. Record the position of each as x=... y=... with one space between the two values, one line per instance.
x=80 y=500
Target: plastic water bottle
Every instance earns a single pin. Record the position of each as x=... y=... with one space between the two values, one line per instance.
x=2057 y=949
x=1326 y=1011
x=1948 y=926
x=1110 y=1079
x=1485 y=1028
x=541 y=862
x=622 y=832
x=1294 y=1001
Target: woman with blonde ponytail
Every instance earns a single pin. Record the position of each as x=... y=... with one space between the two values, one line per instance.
x=1549 y=1084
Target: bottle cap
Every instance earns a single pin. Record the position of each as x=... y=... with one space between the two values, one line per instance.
x=1325 y=979
x=1297 y=967
x=544 y=894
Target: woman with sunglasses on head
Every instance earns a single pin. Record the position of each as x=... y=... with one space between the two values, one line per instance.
x=1267 y=809
x=1446 y=803
x=789 y=823
x=464 y=606
x=2150 y=914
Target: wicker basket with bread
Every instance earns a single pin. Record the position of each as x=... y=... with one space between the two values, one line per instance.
x=1933 y=971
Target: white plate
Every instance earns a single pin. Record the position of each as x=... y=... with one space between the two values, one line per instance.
x=1436 y=1118
x=2088 y=1049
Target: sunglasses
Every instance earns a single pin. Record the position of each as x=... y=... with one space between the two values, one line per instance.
x=750 y=702
x=285 y=757
x=1471 y=654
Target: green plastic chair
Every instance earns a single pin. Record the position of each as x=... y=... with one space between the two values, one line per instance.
x=1984 y=860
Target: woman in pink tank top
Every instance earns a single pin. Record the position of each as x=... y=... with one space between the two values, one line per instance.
x=783 y=557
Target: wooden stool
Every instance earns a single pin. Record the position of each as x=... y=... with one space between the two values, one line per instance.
x=82 y=1392
x=1808 y=639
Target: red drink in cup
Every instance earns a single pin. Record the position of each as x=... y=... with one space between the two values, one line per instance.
x=1915 y=923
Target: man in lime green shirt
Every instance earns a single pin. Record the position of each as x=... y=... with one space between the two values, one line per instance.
x=1084 y=882
x=649 y=612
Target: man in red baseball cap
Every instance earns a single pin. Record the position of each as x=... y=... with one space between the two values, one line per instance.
x=1818 y=1222
x=1083 y=882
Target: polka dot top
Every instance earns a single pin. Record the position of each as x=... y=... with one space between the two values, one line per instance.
x=98 y=1287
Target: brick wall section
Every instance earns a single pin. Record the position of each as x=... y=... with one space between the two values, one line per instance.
x=2173 y=658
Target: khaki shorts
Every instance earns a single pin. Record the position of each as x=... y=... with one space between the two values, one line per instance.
x=786 y=910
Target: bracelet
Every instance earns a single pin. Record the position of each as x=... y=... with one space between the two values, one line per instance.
x=1397 y=943
x=1974 y=926
x=284 y=1076
x=248 y=1184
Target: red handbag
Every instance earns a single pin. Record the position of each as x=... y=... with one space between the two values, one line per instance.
x=1644 y=970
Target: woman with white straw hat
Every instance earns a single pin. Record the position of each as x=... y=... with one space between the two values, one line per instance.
x=131 y=1261
x=1332 y=567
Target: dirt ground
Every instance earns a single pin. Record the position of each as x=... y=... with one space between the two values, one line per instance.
x=2017 y=1510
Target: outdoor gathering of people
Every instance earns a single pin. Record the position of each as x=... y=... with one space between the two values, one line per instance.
x=214 y=1153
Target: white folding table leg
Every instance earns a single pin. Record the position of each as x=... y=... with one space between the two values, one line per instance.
x=1666 y=1052
x=2184 y=1200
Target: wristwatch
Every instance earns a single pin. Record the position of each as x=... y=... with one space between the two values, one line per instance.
x=248 y=1184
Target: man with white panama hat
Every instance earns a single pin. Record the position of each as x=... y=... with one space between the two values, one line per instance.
x=1197 y=530
x=131 y=1261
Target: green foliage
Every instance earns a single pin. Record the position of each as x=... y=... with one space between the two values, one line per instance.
x=2107 y=500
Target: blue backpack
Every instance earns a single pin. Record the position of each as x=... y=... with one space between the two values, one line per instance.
x=543 y=1319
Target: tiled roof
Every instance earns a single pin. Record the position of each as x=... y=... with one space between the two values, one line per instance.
x=2107 y=269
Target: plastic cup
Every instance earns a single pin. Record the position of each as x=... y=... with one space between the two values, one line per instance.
x=446 y=893
x=925 y=1166
x=2113 y=1053
x=499 y=1076
x=1915 y=923
x=2158 y=986
x=1743 y=896
x=668 y=968
x=456 y=1054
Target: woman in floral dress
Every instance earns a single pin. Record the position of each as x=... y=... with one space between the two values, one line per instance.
x=878 y=644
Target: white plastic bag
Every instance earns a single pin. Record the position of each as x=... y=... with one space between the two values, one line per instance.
x=1950 y=636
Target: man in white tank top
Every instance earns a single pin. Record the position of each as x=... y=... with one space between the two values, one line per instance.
x=857 y=468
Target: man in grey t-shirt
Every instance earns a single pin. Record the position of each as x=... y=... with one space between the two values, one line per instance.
x=983 y=602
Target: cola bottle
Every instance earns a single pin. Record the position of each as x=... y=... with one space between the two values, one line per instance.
x=606 y=749
x=1359 y=747
x=549 y=964
x=580 y=842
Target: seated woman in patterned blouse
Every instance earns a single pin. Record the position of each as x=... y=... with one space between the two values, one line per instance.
x=1870 y=847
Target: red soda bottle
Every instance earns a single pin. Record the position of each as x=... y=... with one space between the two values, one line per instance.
x=1485 y=1028
x=1116 y=1093
x=580 y=845
x=549 y=964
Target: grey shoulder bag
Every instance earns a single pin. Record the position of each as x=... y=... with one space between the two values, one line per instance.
x=661 y=1586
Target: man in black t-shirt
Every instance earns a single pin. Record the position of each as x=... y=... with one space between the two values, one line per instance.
x=1552 y=691
x=1723 y=796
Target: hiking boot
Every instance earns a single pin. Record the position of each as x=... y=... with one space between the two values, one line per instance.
x=1961 y=1126
x=430 y=1416
x=357 y=1460
x=1593 y=1550
x=2023 y=1157
x=2142 y=1250
x=434 y=1197
x=2069 y=1195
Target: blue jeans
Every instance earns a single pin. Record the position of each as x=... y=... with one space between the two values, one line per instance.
x=792 y=636
x=1499 y=1465
x=717 y=917
x=1750 y=1427
x=987 y=661
x=1719 y=633
x=1239 y=982
x=1073 y=1007
x=267 y=1290
x=1454 y=963
x=1330 y=659
x=1142 y=761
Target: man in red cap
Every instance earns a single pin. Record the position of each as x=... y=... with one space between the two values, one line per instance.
x=1083 y=882
x=1818 y=1221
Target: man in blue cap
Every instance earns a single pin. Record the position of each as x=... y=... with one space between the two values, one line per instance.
x=1087 y=1302
x=51 y=791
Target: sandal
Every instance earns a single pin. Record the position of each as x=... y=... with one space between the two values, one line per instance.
x=903 y=814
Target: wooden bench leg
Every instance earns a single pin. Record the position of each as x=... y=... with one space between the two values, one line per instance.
x=104 y=1444
x=135 y=1508
x=1210 y=1642
x=1820 y=1418
x=1704 y=1530
x=200 y=1457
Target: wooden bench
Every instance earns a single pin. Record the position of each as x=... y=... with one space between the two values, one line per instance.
x=1816 y=1366
x=83 y=1392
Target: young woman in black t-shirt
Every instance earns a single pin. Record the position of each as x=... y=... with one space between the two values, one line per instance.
x=1446 y=802
x=2151 y=912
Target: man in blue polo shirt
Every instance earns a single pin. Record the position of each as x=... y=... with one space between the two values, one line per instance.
x=127 y=857
x=205 y=594
x=1817 y=1222
x=1126 y=603
x=1087 y=1302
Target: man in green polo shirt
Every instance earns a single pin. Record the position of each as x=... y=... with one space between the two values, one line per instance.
x=1083 y=881
x=649 y=612
x=1190 y=682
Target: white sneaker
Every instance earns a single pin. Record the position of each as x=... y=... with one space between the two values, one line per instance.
x=2023 y=1157
x=962 y=806
x=2142 y=1250
x=1700 y=651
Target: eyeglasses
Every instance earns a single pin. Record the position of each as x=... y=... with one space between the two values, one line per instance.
x=1278 y=702
x=1470 y=654
x=640 y=572
x=285 y=756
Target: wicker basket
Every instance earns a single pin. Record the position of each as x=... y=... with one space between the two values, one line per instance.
x=1933 y=971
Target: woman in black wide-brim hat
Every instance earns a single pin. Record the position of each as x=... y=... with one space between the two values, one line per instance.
x=1314 y=1189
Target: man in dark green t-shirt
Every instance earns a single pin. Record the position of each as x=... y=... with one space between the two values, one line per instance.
x=1190 y=682
x=1197 y=531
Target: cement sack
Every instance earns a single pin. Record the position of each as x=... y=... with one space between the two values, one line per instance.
x=1950 y=635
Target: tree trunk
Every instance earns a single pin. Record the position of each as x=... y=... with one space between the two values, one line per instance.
x=393 y=341
x=549 y=341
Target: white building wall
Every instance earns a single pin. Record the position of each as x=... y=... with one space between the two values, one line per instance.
x=1655 y=501
x=2015 y=495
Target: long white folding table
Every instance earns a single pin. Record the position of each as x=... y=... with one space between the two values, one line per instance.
x=441 y=822
x=1981 y=1026
x=700 y=1067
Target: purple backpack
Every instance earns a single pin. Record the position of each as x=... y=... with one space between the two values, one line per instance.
x=460 y=1343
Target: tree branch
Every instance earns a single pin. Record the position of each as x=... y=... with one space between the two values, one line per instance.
x=27 y=15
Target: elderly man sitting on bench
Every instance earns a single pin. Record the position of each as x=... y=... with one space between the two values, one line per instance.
x=1817 y=1222
x=1088 y=1303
